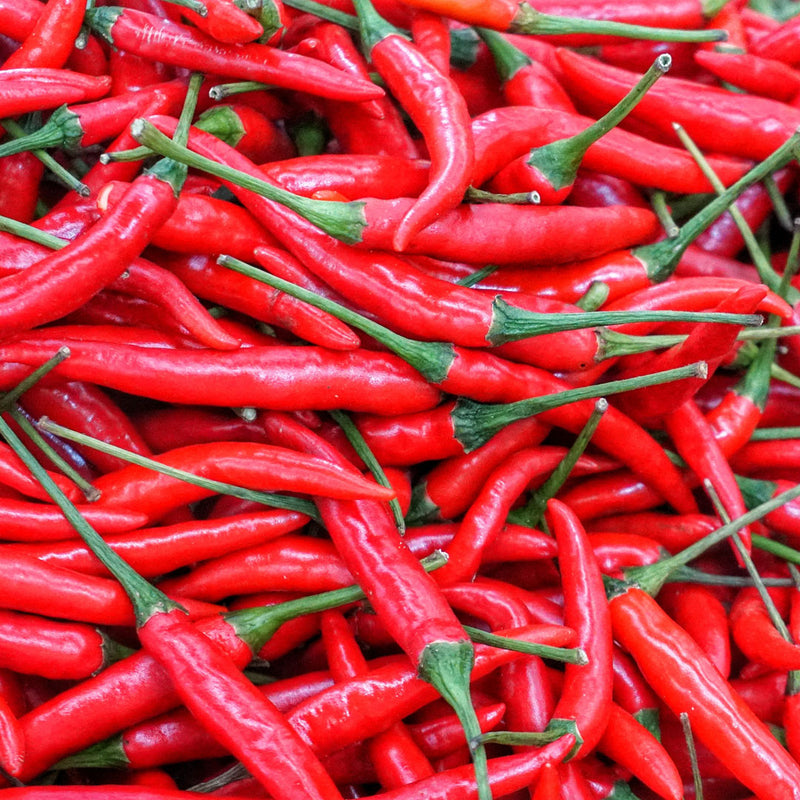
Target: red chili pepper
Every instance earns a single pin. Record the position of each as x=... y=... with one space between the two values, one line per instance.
x=776 y=43
x=754 y=126
x=23 y=90
x=225 y=22
x=146 y=35
x=585 y=702
x=386 y=384
x=20 y=179
x=14 y=475
x=686 y=680
x=51 y=41
x=755 y=74
x=436 y=107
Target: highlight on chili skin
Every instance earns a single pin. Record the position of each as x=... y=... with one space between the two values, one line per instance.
x=400 y=399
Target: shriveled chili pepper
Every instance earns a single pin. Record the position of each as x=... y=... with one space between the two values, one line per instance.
x=147 y=35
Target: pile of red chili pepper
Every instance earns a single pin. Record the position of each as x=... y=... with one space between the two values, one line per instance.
x=400 y=399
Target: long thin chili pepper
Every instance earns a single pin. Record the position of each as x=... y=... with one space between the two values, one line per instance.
x=437 y=109
x=147 y=35
x=429 y=632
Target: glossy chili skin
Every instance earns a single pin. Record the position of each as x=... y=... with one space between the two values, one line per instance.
x=52 y=38
x=84 y=266
x=685 y=679
x=585 y=700
x=180 y=45
x=24 y=90
x=300 y=377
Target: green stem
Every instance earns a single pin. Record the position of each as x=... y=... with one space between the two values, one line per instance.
x=697 y=778
x=218 y=487
x=475 y=423
x=661 y=258
x=559 y=161
x=521 y=738
x=528 y=20
x=474 y=195
x=146 y=599
x=368 y=457
x=658 y=202
x=223 y=90
x=768 y=434
x=478 y=275
x=782 y=212
x=327 y=13
x=652 y=577
x=765 y=271
x=508 y=59
x=594 y=297
x=8 y=399
x=510 y=323
x=193 y=5
x=531 y=514
x=14 y=129
x=344 y=221
x=567 y=655
x=62 y=129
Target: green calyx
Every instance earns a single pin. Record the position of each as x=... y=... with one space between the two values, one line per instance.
x=373 y=28
x=447 y=666
x=222 y=122
x=101 y=20
x=343 y=221
x=508 y=59
x=559 y=161
x=63 y=129
x=108 y=754
x=431 y=359
x=475 y=423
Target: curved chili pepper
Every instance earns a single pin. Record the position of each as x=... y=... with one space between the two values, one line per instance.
x=225 y=22
x=694 y=439
x=616 y=551
x=436 y=108
x=629 y=744
x=54 y=649
x=702 y=615
x=147 y=35
x=14 y=475
x=686 y=680
x=755 y=634
x=776 y=43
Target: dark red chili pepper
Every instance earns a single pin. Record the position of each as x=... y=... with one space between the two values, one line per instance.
x=438 y=110
x=50 y=42
x=595 y=189
x=171 y=43
x=687 y=681
x=20 y=179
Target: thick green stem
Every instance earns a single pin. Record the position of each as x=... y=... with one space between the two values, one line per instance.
x=447 y=667
x=344 y=221
x=475 y=423
x=559 y=161
x=528 y=20
x=218 y=487
x=14 y=129
x=63 y=129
